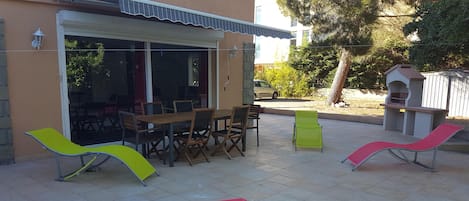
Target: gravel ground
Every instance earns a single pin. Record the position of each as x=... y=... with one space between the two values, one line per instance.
x=352 y=107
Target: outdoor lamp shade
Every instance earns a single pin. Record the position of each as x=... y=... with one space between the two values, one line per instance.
x=233 y=51
x=37 y=41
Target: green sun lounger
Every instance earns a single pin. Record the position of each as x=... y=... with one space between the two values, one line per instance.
x=307 y=133
x=55 y=142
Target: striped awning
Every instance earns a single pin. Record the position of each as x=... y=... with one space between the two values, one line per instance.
x=161 y=11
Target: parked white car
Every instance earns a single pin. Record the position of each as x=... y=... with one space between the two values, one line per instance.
x=262 y=89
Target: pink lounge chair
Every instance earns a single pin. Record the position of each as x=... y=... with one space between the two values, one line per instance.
x=437 y=137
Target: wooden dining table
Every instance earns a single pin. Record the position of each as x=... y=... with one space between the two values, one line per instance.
x=173 y=118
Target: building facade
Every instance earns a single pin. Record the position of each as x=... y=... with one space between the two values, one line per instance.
x=71 y=64
x=268 y=49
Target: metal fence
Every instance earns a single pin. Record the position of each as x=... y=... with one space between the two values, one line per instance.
x=447 y=90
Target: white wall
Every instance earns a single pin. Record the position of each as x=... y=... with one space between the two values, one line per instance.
x=440 y=92
x=271 y=50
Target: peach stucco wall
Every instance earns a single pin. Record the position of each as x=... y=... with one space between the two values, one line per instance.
x=231 y=90
x=33 y=75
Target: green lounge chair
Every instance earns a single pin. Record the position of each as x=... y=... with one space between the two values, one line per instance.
x=307 y=133
x=55 y=142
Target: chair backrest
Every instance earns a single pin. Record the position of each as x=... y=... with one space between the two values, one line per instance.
x=152 y=108
x=128 y=121
x=54 y=141
x=306 y=118
x=438 y=136
x=183 y=106
x=202 y=120
x=254 y=111
x=239 y=117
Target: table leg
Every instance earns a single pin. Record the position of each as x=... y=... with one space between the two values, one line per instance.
x=243 y=142
x=216 y=124
x=171 y=146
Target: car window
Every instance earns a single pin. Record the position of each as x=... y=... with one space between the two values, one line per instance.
x=257 y=84
x=264 y=84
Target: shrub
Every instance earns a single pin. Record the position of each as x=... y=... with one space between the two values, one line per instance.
x=288 y=81
x=368 y=72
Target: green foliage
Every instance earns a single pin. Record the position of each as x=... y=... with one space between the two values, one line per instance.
x=316 y=63
x=368 y=72
x=442 y=27
x=320 y=59
x=83 y=60
x=288 y=81
x=390 y=28
x=344 y=23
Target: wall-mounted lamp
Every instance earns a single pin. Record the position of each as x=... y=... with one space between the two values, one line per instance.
x=37 y=41
x=233 y=51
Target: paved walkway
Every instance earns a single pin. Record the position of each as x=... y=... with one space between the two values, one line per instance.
x=271 y=172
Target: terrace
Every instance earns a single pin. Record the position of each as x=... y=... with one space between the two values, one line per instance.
x=273 y=171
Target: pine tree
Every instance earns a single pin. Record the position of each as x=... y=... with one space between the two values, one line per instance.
x=346 y=24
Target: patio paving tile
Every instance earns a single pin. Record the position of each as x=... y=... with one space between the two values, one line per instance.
x=271 y=172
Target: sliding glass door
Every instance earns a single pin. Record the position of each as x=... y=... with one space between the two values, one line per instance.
x=107 y=75
x=179 y=73
x=103 y=76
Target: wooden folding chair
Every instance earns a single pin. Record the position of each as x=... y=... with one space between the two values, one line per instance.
x=151 y=108
x=253 y=117
x=199 y=134
x=135 y=134
x=238 y=119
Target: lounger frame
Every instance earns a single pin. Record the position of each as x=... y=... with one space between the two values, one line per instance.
x=401 y=156
x=431 y=142
x=90 y=160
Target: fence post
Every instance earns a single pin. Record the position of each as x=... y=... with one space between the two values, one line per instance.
x=448 y=95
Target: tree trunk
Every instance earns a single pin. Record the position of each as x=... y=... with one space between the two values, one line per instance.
x=339 y=78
